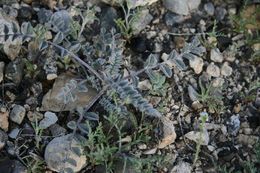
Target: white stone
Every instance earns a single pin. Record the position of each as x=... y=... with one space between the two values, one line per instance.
x=226 y=70
x=198 y=137
x=182 y=7
x=216 y=55
x=131 y=4
x=197 y=64
x=213 y=70
x=182 y=167
x=60 y=149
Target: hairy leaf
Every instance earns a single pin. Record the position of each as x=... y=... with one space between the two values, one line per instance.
x=151 y=61
x=166 y=70
x=58 y=38
x=72 y=125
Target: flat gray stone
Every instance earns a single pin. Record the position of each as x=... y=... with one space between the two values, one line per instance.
x=51 y=101
x=58 y=154
x=17 y=114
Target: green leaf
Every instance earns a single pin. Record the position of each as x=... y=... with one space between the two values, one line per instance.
x=58 y=38
x=72 y=125
x=166 y=70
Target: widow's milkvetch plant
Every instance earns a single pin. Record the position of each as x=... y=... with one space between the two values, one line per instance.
x=109 y=57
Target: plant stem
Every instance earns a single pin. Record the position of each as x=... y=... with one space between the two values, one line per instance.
x=92 y=70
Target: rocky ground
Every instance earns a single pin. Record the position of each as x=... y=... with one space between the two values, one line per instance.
x=56 y=115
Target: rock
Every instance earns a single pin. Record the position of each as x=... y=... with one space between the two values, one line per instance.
x=237 y=108
x=19 y=167
x=172 y=19
x=145 y=85
x=51 y=102
x=183 y=7
x=142 y=146
x=169 y=134
x=157 y=48
x=44 y=15
x=247 y=139
x=138 y=44
x=213 y=70
x=10 y=11
x=17 y=114
x=57 y=130
x=209 y=8
x=193 y=94
x=233 y=125
x=226 y=70
x=14 y=71
x=14 y=133
x=196 y=105
x=34 y=116
x=48 y=120
x=196 y=64
x=8 y=2
x=218 y=82
x=3 y=139
x=247 y=131
x=180 y=42
x=220 y=13
x=59 y=154
x=150 y=151
x=4 y=123
x=51 y=76
x=2 y=66
x=25 y=12
x=216 y=55
x=182 y=167
x=197 y=136
x=143 y=18
x=11 y=47
x=131 y=4
x=108 y=17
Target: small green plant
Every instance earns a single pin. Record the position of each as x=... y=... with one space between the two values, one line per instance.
x=247 y=21
x=98 y=148
x=38 y=133
x=125 y=24
x=159 y=84
x=203 y=119
x=211 y=97
x=34 y=164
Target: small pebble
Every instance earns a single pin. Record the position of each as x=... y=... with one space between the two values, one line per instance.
x=209 y=8
x=216 y=55
x=226 y=70
x=17 y=114
x=213 y=70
